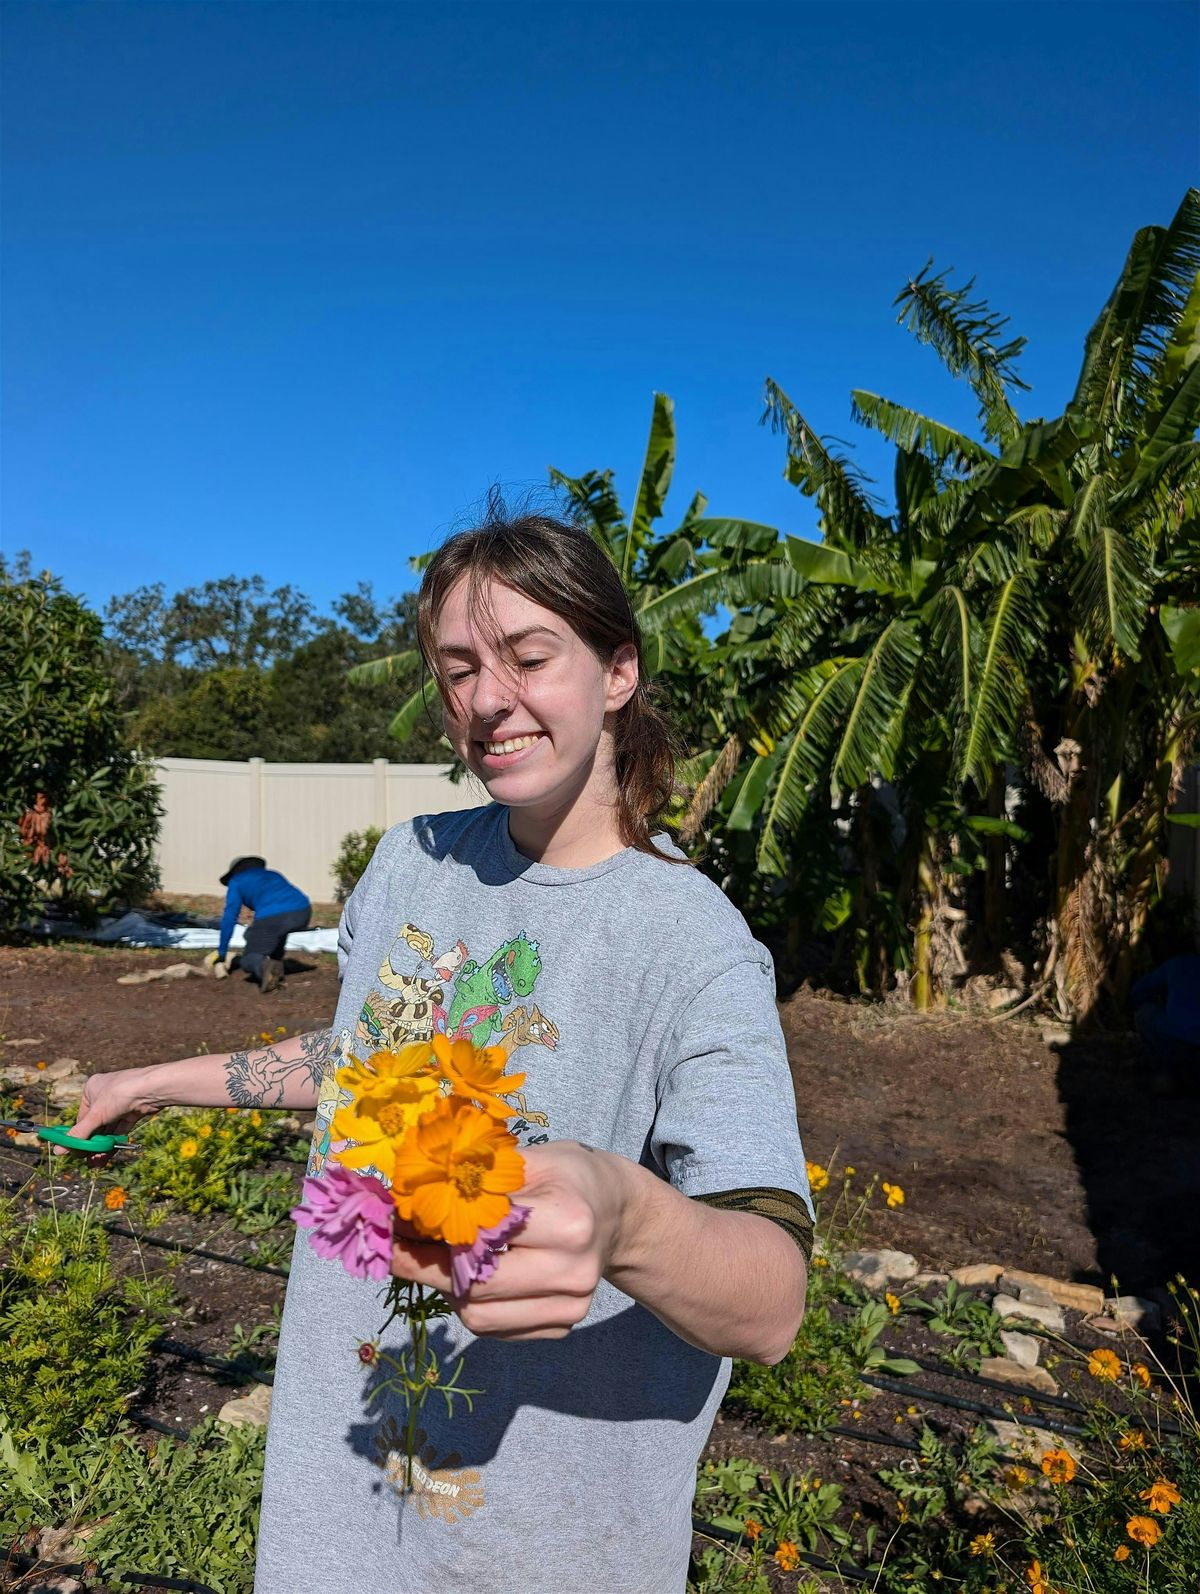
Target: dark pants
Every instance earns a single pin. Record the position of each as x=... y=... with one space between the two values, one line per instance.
x=1177 y=1056
x=266 y=938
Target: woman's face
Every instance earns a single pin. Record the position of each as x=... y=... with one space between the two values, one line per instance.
x=527 y=700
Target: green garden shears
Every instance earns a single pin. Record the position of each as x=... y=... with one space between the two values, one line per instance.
x=60 y=1135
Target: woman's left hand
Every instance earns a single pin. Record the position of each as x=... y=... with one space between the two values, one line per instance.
x=544 y=1282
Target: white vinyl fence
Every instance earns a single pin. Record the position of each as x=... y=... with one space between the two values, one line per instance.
x=293 y=815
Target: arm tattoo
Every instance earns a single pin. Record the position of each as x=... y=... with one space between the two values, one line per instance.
x=260 y=1078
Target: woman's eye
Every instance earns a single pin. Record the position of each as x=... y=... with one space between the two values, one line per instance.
x=532 y=664
x=457 y=677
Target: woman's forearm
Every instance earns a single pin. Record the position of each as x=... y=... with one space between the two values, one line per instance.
x=284 y=1075
x=731 y=1283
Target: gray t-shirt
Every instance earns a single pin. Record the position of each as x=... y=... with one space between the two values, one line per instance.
x=642 y=1012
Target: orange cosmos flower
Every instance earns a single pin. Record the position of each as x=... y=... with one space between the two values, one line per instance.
x=1135 y=1439
x=391 y=1091
x=1104 y=1365
x=1122 y=1552
x=1059 y=1466
x=452 y=1174
x=477 y=1073
x=115 y=1198
x=753 y=1529
x=787 y=1556
x=1161 y=1496
x=1143 y=1530
x=1033 y=1576
x=1141 y=1374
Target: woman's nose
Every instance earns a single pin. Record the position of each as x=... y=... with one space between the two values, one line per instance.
x=493 y=694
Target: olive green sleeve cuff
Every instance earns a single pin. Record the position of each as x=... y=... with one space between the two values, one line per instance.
x=781 y=1206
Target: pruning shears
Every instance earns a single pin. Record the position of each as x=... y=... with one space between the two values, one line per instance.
x=60 y=1135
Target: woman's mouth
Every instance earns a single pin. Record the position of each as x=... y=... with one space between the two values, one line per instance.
x=499 y=754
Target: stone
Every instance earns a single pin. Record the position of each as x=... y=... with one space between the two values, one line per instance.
x=1134 y=1311
x=1103 y=1325
x=253 y=1408
x=920 y=1280
x=1029 y=1294
x=1078 y=1297
x=1055 y=1034
x=1050 y=1317
x=976 y=1273
x=61 y=1067
x=1006 y=1371
x=68 y=1089
x=1022 y=1348
x=173 y=971
x=875 y=1270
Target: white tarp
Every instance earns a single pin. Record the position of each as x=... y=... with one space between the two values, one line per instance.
x=134 y=929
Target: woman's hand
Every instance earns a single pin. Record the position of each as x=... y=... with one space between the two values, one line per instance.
x=545 y=1280
x=110 y=1104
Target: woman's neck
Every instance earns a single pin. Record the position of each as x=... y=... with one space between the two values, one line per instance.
x=575 y=839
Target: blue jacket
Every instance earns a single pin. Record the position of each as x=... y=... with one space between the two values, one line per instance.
x=1178 y=981
x=265 y=892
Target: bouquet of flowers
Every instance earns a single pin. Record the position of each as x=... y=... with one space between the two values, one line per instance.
x=426 y=1141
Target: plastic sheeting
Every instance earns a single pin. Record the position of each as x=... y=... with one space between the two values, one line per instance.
x=135 y=929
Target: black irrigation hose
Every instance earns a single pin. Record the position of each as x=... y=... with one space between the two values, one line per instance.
x=190 y=1353
x=30 y=1563
x=896 y=1386
x=145 y=1420
x=871 y=1438
x=181 y=1246
x=853 y=1574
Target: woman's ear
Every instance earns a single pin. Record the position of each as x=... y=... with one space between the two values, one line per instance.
x=622 y=677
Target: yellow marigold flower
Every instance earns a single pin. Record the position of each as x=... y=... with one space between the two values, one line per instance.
x=256 y=1119
x=189 y=1147
x=787 y=1556
x=753 y=1529
x=1135 y=1439
x=818 y=1177
x=477 y=1074
x=1059 y=1466
x=983 y=1544
x=1143 y=1530
x=893 y=1302
x=204 y=1131
x=115 y=1198
x=1161 y=1496
x=1141 y=1374
x=391 y=1092
x=265 y=1035
x=848 y=1172
x=453 y=1172
x=224 y=1134
x=1122 y=1552
x=1016 y=1477
x=1105 y=1365
x=893 y=1193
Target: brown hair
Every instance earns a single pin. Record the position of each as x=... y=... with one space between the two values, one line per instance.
x=560 y=567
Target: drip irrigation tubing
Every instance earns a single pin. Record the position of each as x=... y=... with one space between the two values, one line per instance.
x=145 y=1420
x=181 y=1246
x=871 y=1438
x=191 y=1353
x=846 y=1569
x=31 y=1563
x=896 y=1386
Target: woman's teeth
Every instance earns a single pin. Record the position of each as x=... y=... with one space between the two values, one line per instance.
x=513 y=746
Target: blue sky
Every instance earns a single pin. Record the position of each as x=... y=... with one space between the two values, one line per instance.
x=287 y=285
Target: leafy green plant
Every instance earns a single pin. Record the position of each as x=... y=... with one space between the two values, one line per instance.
x=960 y=1315
x=201 y=1159
x=354 y=854
x=76 y=1338
x=244 y=1343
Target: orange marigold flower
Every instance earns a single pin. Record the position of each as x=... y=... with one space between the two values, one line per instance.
x=1033 y=1576
x=391 y=1091
x=893 y=1302
x=1135 y=1439
x=753 y=1529
x=41 y=1063
x=115 y=1198
x=818 y=1177
x=477 y=1072
x=1143 y=1530
x=893 y=1193
x=1141 y=1374
x=453 y=1173
x=1161 y=1496
x=1105 y=1365
x=1122 y=1552
x=1059 y=1466
x=787 y=1556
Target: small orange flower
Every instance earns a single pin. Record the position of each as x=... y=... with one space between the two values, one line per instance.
x=1033 y=1576
x=1122 y=1552
x=453 y=1172
x=41 y=1063
x=477 y=1073
x=787 y=1556
x=1135 y=1439
x=818 y=1177
x=753 y=1529
x=893 y=1302
x=1141 y=1374
x=893 y=1193
x=1161 y=1496
x=1143 y=1530
x=1105 y=1365
x=115 y=1198
x=1059 y=1466
x=983 y=1544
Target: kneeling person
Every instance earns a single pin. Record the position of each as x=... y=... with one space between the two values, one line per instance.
x=278 y=907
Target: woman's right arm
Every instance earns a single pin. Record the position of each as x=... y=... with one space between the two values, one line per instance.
x=284 y=1075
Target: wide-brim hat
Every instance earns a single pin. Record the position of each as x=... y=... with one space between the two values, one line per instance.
x=239 y=864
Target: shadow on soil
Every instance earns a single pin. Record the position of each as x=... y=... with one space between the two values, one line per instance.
x=1136 y=1140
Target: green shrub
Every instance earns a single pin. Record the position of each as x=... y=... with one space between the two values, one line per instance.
x=355 y=853
x=75 y=1339
x=202 y=1160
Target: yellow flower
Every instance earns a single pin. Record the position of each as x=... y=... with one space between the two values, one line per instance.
x=115 y=1198
x=1161 y=1496
x=753 y=1529
x=818 y=1261
x=1033 y=1576
x=1122 y=1552
x=477 y=1074
x=1135 y=1439
x=848 y=1172
x=1140 y=1374
x=265 y=1036
x=983 y=1544
x=224 y=1134
x=818 y=1177
x=282 y=1030
x=1058 y=1465
x=1143 y=1530
x=787 y=1556
x=1105 y=1365
x=1016 y=1477
x=188 y=1148
x=204 y=1131
x=453 y=1172
x=41 y=1063
x=893 y=1302
x=893 y=1193
x=256 y=1119
x=391 y=1092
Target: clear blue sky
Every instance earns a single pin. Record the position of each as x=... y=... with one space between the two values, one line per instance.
x=287 y=285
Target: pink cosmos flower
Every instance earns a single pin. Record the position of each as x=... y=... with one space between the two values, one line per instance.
x=350 y=1216
x=472 y=1263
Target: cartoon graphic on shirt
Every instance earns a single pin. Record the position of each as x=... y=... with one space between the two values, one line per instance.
x=449 y=1491
x=528 y=1027
x=483 y=989
x=421 y=943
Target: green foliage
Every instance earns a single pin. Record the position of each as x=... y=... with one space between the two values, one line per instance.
x=61 y=735
x=203 y=1160
x=185 y=1509
x=960 y=1315
x=76 y=1337
x=354 y=854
